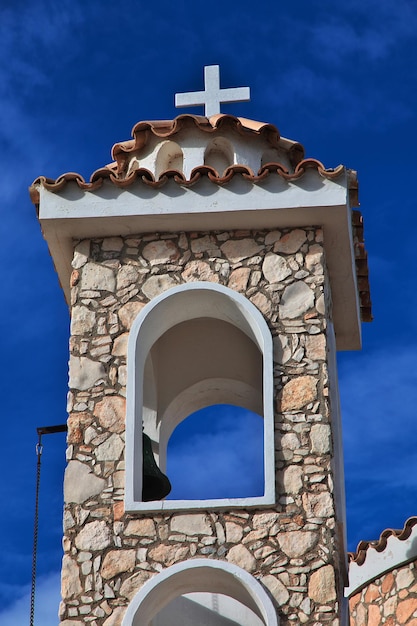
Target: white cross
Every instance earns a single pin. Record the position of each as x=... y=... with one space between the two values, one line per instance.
x=212 y=95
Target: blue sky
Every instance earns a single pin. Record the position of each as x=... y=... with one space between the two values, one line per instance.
x=74 y=78
x=212 y=438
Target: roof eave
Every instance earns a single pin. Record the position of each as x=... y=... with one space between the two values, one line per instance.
x=311 y=200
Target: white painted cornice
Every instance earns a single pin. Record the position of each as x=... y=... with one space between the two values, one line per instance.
x=311 y=200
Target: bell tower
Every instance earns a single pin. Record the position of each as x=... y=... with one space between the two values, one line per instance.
x=210 y=263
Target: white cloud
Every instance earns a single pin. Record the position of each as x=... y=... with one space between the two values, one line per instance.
x=333 y=64
x=37 y=42
x=218 y=453
x=379 y=395
x=369 y=29
x=32 y=39
x=47 y=602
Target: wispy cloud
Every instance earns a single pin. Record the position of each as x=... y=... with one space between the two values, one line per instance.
x=46 y=608
x=33 y=34
x=217 y=453
x=35 y=46
x=379 y=399
x=368 y=30
x=331 y=64
x=385 y=380
x=330 y=99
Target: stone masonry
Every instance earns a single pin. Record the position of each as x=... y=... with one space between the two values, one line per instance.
x=292 y=549
x=390 y=600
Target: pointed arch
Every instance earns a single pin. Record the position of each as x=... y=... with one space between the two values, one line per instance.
x=199 y=575
x=195 y=345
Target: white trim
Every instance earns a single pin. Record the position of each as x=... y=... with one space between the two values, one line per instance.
x=308 y=201
x=199 y=575
x=338 y=466
x=396 y=553
x=206 y=393
x=152 y=322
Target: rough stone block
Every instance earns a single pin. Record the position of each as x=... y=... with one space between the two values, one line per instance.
x=240 y=555
x=298 y=392
x=84 y=372
x=97 y=278
x=321 y=586
x=191 y=524
x=111 y=412
x=80 y=483
x=94 y=536
x=296 y=300
x=116 y=562
x=296 y=543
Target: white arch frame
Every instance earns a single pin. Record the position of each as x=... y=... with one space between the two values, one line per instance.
x=204 y=575
x=174 y=306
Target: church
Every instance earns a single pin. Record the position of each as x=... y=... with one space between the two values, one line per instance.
x=212 y=264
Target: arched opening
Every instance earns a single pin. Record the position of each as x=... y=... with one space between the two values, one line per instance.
x=196 y=363
x=217 y=452
x=197 y=345
x=174 y=588
x=219 y=155
x=170 y=157
x=206 y=609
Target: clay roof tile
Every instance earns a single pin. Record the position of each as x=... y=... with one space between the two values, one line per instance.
x=121 y=176
x=380 y=544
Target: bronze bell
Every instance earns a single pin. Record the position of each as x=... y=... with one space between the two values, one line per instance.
x=156 y=485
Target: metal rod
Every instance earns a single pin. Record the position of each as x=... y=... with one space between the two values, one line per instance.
x=35 y=530
x=42 y=430
x=49 y=430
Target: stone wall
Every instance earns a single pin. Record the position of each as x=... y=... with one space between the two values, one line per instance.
x=391 y=599
x=293 y=548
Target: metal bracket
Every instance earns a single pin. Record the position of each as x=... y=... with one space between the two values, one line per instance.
x=49 y=430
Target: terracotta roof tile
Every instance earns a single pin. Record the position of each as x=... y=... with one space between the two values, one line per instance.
x=116 y=172
x=119 y=174
x=145 y=176
x=379 y=545
x=168 y=128
x=361 y=262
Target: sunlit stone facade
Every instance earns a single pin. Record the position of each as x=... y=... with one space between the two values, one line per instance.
x=197 y=202
x=294 y=548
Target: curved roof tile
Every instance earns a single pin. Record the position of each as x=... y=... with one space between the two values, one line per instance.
x=117 y=173
x=380 y=544
x=146 y=176
x=168 y=128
